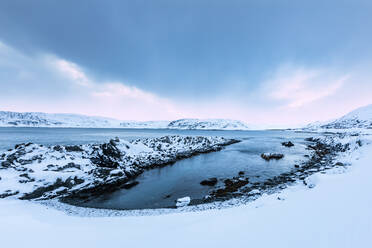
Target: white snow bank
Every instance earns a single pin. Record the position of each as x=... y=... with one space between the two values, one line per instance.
x=184 y=201
x=336 y=213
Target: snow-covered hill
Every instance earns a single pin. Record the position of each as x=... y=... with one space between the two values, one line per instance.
x=208 y=124
x=36 y=119
x=144 y=124
x=359 y=118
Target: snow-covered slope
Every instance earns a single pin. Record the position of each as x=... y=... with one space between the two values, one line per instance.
x=208 y=124
x=35 y=119
x=359 y=118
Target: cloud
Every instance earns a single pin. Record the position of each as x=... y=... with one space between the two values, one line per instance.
x=48 y=83
x=290 y=96
x=71 y=70
x=297 y=87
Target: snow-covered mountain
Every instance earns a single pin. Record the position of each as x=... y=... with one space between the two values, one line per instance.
x=359 y=118
x=144 y=124
x=36 y=119
x=208 y=124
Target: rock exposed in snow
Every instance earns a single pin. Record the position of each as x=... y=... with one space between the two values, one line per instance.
x=32 y=171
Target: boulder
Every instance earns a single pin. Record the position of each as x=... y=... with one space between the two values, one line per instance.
x=270 y=156
x=209 y=182
x=72 y=149
x=287 y=144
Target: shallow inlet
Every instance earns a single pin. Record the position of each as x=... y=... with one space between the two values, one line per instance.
x=161 y=187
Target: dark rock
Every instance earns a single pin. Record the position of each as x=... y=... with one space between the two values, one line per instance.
x=67 y=166
x=130 y=185
x=311 y=139
x=7 y=194
x=25 y=175
x=41 y=190
x=241 y=173
x=296 y=166
x=209 y=182
x=231 y=186
x=340 y=164
x=58 y=148
x=287 y=144
x=5 y=164
x=270 y=156
x=73 y=149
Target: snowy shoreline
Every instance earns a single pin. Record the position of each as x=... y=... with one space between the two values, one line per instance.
x=31 y=171
x=321 y=162
x=336 y=211
x=77 y=173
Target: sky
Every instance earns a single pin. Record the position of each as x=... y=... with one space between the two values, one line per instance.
x=265 y=62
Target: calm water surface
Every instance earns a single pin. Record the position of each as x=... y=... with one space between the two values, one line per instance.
x=161 y=187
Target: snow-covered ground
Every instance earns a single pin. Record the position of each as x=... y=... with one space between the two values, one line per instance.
x=334 y=213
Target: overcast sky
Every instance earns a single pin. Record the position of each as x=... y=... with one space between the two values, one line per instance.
x=264 y=62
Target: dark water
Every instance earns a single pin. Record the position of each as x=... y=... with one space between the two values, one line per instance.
x=183 y=178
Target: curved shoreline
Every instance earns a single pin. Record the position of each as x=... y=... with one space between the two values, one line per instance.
x=31 y=171
x=82 y=195
x=322 y=159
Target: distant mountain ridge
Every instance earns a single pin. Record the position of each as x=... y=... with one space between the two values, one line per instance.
x=38 y=119
x=208 y=124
